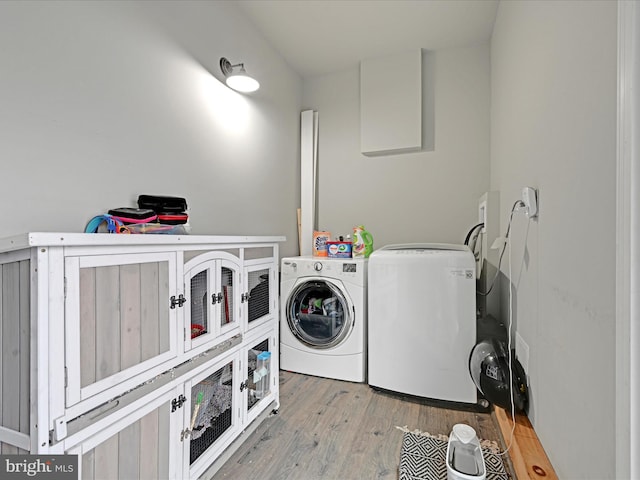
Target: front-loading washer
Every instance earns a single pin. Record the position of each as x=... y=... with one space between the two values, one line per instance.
x=323 y=317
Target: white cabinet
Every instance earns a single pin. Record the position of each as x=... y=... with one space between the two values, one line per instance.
x=391 y=104
x=181 y=427
x=223 y=399
x=164 y=347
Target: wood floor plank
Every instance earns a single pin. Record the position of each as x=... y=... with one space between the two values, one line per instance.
x=376 y=451
x=329 y=429
x=335 y=430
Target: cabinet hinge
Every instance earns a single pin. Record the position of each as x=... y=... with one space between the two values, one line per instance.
x=177 y=301
x=177 y=403
x=65 y=376
x=64 y=288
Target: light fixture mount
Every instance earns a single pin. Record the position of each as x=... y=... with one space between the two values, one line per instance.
x=239 y=80
x=226 y=67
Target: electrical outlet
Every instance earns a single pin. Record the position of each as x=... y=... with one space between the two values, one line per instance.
x=530 y=200
x=498 y=243
x=482 y=215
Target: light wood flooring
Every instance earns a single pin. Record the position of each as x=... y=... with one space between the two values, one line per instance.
x=329 y=429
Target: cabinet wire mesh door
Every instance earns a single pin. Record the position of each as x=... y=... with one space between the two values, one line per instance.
x=211 y=402
x=199 y=304
x=226 y=297
x=139 y=451
x=258 y=373
x=258 y=294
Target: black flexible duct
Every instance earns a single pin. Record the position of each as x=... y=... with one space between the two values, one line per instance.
x=466 y=240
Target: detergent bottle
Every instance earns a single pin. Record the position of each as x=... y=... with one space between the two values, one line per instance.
x=362 y=242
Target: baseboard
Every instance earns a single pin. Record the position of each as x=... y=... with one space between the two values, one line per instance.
x=528 y=458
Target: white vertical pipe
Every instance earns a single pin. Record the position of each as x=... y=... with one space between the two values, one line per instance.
x=314 y=222
x=308 y=146
x=634 y=320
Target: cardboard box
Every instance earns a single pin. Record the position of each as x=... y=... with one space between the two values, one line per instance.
x=320 y=240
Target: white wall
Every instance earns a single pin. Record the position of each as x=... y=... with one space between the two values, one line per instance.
x=102 y=101
x=427 y=196
x=553 y=127
x=628 y=244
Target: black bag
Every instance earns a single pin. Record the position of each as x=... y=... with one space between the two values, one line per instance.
x=162 y=204
x=134 y=215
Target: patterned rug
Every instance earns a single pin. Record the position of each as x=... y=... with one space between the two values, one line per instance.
x=422 y=457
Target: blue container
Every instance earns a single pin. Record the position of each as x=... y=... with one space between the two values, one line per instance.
x=339 y=249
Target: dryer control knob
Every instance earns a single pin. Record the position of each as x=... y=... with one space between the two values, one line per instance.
x=317 y=266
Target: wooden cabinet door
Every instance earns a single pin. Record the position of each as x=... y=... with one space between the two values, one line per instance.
x=15 y=352
x=120 y=322
x=140 y=445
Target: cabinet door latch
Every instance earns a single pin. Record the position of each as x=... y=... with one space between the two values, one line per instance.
x=245 y=297
x=244 y=385
x=177 y=301
x=59 y=431
x=177 y=403
x=216 y=298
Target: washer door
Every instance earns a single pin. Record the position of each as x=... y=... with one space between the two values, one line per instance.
x=318 y=313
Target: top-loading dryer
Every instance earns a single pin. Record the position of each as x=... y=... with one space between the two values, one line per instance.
x=323 y=317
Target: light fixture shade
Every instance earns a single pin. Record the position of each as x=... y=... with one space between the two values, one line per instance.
x=239 y=80
x=242 y=83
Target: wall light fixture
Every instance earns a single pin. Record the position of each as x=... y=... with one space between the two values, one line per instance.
x=238 y=79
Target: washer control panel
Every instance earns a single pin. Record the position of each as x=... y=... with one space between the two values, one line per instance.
x=349 y=267
x=325 y=267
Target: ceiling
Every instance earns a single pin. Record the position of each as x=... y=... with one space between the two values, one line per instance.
x=317 y=37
